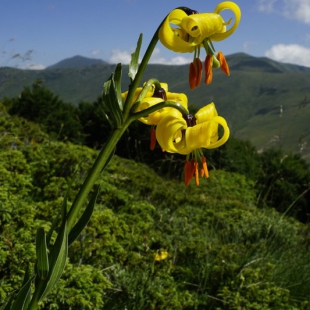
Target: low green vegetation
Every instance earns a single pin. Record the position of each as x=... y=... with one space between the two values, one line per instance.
x=238 y=241
x=282 y=180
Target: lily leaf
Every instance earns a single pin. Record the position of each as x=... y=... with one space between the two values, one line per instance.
x=118 y=84
x=23 y=296
x=57 y=260
x=84 y=219
x=111 y=102
x=8 y=306
x=42 y=256
x=57 y=257
x=134 y=63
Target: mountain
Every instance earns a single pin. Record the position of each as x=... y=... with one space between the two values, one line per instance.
x=263 y=101
x=77 y=62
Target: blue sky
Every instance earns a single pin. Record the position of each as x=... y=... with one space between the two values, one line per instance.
x=43 y=32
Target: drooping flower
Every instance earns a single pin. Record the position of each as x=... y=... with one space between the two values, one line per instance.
x=189 y=135
x=192 y=30
x=176 y=135
x=153 y=97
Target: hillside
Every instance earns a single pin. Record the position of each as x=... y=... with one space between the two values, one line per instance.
x=206 y=247
x=250 y=99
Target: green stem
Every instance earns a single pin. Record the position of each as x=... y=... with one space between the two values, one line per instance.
x=93 y=175
x=161 y=105
x=144 y=91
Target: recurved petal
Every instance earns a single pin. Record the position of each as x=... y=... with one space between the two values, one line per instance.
x=206 y=113
x=201 y=26
x=227 y=5
x=153 y=118
x=169 y=133
x=205 y=135
x=175 y=39
x=178 y=97
x=217 y=143
x=136 y=94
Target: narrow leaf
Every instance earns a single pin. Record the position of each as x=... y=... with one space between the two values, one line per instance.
x=9 y=304
x=58 y=259
x=58 y=255
x=134 y=63
x=23 y=295
x=42 y=256
x=110 y=102
x=116 y=107
x=118 y=84
x=84 y=219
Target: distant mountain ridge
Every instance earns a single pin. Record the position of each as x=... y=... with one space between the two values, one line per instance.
x=263 y=101
x=76 y=62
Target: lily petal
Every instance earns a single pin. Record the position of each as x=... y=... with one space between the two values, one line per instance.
x=169 y=133
x=205 y=135
x=153 y=118
x=206 y=113
x=175 y=39
x=227 y=5
x=201 y=26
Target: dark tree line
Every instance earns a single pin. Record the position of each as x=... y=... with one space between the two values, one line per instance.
x=282 y=180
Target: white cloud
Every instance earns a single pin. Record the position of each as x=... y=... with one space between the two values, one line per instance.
x=157 y=58
x=294 y=9
x=124 y=57
x=266 y=5
x=292 y=53
x=95 y=52
x=297 y=9
x=179 y=60
x=117 y=56
x=247 y=45
x=34 y=67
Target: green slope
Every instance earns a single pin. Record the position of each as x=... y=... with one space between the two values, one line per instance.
x=223 y=252
x=250 y=99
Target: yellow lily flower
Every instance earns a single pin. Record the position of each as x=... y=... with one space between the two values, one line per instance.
x=149 y=101
x=187 y=136
x=152 y=98
x=194 y=30
x=175 y=135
